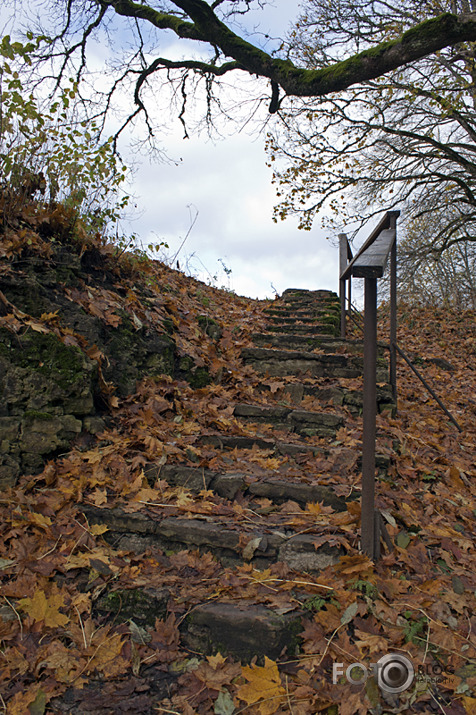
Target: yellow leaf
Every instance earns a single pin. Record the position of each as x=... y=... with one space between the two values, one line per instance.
x=273 y=463
x=314 y=508
x=260 y=576
x=216 y=660
x=263 y=688
x=45 y=609
x=37 y=327
x=107 y=658
x=98 y=529
x=184 y=499
x=40 y=520
x=98 y=497
x=147 y=495
x=469 y=704
x=48 y=316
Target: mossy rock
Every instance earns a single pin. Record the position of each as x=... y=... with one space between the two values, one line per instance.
x=47 y=387
x=210 y=327
x=241 y=630
x=44 y=375
x=141 y=605
x=197 y=376
x=134 y=354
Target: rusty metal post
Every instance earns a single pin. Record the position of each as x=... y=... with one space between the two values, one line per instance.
x=342 y=308
x=369 y=522
x=393 y=312
x=349 y=296
x=342 y=282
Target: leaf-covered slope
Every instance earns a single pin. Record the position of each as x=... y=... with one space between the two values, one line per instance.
x=90 y=625
x=83 y=322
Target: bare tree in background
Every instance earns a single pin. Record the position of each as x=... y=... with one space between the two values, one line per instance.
x=406 y=139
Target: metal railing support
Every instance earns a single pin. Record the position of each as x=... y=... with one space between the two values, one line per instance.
x=393 y=312
x=370 y=526
x=369 y=263
x=345 y=284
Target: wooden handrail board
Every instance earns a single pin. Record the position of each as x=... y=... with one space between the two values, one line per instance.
x=388 y=221
x=371 y=263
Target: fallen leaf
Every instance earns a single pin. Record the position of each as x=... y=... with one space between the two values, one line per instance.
x=42 y=608
x=263 y=688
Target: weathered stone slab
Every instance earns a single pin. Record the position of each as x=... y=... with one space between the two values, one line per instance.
x=120 y=521
x=291 y=320
x=301 y=329
x=280 y=490
x=141 y=605
x=241 y=630
x=271 y=414
x=239 y=442
x=189 y=477
x=196 y=532
x=280 y=367
x=195 y=479
x=311 y=418
x=306 y=343
x=300 y=421
x=228 y=486
x=300 y=553
x=224 y=441
x=139 y=531
x=276 y=354
x=289 y=312
x=303 y=294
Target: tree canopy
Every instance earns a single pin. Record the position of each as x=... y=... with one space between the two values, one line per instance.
x=222 y=49
x=353 y=69
x=406 y=139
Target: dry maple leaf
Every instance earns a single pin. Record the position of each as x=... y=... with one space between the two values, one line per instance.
x=107 y=657
x=263 y=688
x=216 y=673
x=42 y=608
x=64 y=663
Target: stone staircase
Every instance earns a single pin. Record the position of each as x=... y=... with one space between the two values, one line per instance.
x=300 y=358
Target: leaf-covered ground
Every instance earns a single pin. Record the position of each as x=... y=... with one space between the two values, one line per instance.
x=59 y=655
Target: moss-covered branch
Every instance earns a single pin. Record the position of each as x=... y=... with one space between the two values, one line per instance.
x=203 y=25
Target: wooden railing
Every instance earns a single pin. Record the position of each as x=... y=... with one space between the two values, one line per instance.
x=370 y=263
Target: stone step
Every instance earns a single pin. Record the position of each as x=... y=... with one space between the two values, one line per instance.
x=276 y=447
x=242 y=630
x=235 y=627
x=294 y=392
x=285 y=449
x=288 y=311
x=306 y=343
x=302 y=422
x=293 y=319
x=231 y=485
x=301 y=295
x=238 y=628
x=296 y=362
x=225 y=540
x=303 y=329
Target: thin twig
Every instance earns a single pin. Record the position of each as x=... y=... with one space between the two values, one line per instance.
x=17 y=615
x=82 y=627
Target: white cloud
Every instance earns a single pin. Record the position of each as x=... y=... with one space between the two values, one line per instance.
x=229 y=185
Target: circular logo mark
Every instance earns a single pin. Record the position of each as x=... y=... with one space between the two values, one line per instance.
x=395 y=673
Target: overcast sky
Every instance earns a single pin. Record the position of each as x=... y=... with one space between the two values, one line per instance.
x=227 y=184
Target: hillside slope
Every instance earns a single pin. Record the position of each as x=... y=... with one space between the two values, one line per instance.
x=191 y=544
